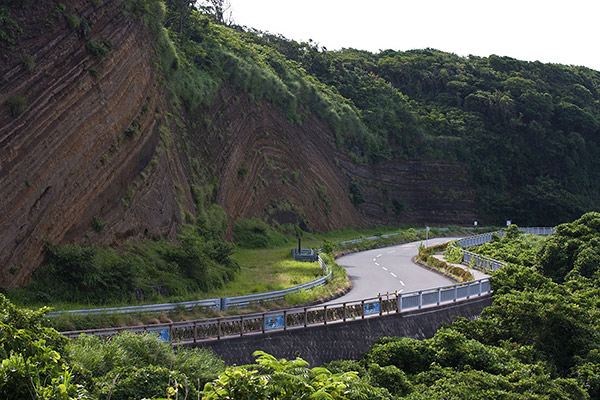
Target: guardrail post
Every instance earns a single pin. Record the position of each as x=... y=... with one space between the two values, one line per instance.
x=264 y=321
x=439 y=300
x=344 y=312
x=468 y=290
x=420 y=299
x=380 y=306
x=305 y=317
x=455 y=293
x=362 y=309
x=195 y=331
x=324 y=315
x=480 y=287
x=284 y=320
x=242 y=325
x=399 y=305
x=218 y=328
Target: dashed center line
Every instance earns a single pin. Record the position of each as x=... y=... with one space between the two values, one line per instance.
x=376 y=263
x=391 y=252
x=379 y=255
x=394 y=275
x=374 y=259
x=402 y=283
x=384 y=268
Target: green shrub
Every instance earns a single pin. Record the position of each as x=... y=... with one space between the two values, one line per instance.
x=98 y=224
x=356 y=193
x=242 y=171
x=88 y=273
x=28 y=62
x=453 y=254
x=256 y=233
x=73 y=21
x=16 y=105
x=97 y=50
x=135 y=366
x=391 y=378
x=131 y=131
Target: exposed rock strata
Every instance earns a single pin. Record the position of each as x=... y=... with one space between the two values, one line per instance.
x=94 y=158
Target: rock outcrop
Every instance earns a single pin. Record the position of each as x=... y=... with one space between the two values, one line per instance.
x=89 y=151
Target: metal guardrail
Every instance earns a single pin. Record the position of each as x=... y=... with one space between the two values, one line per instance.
x=487 y=263
x=297 y=318
x=218 y=304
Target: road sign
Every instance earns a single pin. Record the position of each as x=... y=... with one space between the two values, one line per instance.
x=274 y=321
x=163 y=334
x=372 y=308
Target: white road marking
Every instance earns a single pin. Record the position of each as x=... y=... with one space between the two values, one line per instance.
x=379 y=255
x=374 y=259
x=402 y=283
x=376 y=263
x=394 y=275
x=384 y=268
x=391 y=252
x=400 y=291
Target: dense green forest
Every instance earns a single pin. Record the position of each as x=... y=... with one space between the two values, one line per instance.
x=539 y=339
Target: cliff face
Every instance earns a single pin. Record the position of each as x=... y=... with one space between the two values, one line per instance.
x=71 y=157
x=290 y=173
x=89 y=151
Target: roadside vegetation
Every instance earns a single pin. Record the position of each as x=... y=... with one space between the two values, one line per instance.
x=257 y=270
x=539 y=339
x=514 y=247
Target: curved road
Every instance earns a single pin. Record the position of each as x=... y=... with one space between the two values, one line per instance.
x=388 y=269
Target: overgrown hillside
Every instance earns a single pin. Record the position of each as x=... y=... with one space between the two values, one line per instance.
x=125 y=120
x=528 y=131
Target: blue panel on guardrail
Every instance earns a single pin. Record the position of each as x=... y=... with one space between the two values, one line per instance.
x=274 y=322
x=163 y=334
x=372 y=308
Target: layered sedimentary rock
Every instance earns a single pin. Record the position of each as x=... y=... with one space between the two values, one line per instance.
x=90 y=150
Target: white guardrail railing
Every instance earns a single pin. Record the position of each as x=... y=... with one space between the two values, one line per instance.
x=218 y=304
x=297 y=318
x=487 y=263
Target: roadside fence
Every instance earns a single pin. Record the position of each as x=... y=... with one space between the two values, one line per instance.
x=195 y=331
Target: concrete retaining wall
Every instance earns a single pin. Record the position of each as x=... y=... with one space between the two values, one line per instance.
x=322 y=344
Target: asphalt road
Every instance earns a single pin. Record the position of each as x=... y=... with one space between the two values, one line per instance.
x=388 y=269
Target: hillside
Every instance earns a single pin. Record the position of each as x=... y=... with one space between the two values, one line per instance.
x=123 y=120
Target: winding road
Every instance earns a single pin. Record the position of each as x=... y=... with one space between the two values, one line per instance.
x=388 y=269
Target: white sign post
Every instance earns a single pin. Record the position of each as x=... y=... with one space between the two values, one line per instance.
x=427 y=237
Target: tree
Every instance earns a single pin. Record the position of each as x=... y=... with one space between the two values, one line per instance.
x=219 y=9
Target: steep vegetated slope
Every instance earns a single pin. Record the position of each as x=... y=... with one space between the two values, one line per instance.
x=127 y=119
